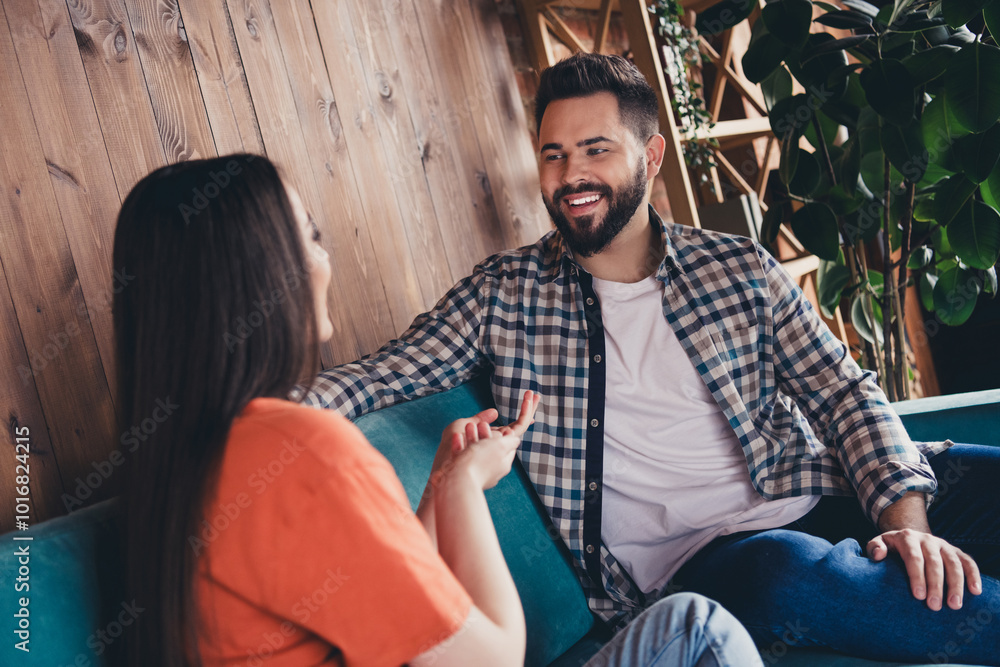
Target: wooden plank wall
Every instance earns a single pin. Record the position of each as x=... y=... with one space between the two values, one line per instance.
x=398 y=121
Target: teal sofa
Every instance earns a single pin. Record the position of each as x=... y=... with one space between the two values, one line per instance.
x=76 y=607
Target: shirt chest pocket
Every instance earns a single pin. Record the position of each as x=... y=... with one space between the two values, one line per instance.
x=736 y=338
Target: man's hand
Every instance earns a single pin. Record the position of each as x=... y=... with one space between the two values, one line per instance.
x=931 y=563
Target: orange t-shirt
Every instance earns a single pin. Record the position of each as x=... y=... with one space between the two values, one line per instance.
x=309 y=551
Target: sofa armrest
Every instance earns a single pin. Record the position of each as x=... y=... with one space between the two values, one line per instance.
x=972 y=418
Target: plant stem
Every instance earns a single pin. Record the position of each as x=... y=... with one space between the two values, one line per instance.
x=888 y=383
x=903 y=391
x=823 y=149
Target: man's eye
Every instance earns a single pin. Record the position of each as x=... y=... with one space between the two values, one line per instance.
x=552 y=157
x=597 y=151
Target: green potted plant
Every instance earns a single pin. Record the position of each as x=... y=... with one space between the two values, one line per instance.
x=890 y=154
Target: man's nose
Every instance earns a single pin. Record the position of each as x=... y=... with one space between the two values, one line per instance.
x=576 y=170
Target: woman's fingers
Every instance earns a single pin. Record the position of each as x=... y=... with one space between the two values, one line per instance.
x=529 y=403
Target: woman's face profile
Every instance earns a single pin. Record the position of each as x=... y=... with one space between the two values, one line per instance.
x=317 y=263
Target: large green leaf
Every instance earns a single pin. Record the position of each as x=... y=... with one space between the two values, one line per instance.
x=807 y=174
x=955 y=295
x=940 y=130
x=829 y=127
x=790 y=153
x=990 y=188
x=791 y=115
x=889 y=90
x=776 y=87
x=990 y=281
x=928 y=65
x=864 y=224
x=972 y=83
x=927 y=282
x=723 y=15
x=764 y=55
x=904 y=147
x=850 y=164
x=959 y=12
x=977 y=154
x=862 y=324
x=788 y=20
x=845 y=19
x=991 y=15
x=831 y=279
x=820 y=75
x=951 y=196
x=815 y=226
x=975 y=234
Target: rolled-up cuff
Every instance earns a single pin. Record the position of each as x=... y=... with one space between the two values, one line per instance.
x=891 y=481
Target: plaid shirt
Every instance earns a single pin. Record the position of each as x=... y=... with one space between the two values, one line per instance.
x=810 y=421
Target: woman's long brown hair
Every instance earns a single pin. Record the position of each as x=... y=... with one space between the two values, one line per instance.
x=210 y=244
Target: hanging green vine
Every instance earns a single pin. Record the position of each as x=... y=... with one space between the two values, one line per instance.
x=687 y=99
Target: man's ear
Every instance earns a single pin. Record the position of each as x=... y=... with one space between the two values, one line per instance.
x=654 y=155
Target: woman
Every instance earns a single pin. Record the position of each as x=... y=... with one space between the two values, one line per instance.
x=258 y=530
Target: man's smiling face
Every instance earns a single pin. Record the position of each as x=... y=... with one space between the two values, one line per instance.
x=592 y=170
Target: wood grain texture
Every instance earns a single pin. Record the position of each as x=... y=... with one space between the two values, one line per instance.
x=220 y=74
x=74 y=151
x=402 y=153
x=392 y=118
x=358 y=290
x=107 y=49
x=398 y=266
x=162 y=45
x=465 y=74
x=58 y=341
x=469 y=225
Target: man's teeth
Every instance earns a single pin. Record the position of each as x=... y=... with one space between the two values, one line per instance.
x=584 y=200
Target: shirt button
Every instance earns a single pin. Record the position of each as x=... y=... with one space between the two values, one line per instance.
x=590 y=302
x=590 y=548
x=594 y=423
x=592 y=486
x=572 y=270
x=597 y=358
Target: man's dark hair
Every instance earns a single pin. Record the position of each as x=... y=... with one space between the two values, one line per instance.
x=585 y=74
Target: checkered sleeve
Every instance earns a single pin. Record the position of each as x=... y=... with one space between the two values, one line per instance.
x=440 y=350
x=844 y=405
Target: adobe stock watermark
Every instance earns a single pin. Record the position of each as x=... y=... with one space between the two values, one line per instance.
x=130 y=440
x=40 y=358
x=226 y=513
x=793 y=634
x=219 y=180
x=967 y=630
x=244 y=326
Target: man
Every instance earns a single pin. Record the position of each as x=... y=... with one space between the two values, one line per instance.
x=700 y=427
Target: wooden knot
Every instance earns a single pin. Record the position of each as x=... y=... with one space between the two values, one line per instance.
x=384 y=87
x=120 y=43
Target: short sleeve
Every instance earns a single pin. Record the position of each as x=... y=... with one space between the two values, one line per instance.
x=331 y=544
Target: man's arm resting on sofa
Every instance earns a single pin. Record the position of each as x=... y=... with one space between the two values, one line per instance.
x=440 y=350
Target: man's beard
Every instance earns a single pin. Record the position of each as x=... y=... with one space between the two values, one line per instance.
x=588 y=236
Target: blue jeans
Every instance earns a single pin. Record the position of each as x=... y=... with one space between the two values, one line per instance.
x=810 y=583
x=682 y=630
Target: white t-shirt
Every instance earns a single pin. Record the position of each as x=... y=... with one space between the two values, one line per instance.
x=675 y=476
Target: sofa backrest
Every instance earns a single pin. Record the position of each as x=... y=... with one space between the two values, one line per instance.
x=555 y=609
x=70 y=573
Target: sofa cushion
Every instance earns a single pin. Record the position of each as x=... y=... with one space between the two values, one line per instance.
x=555 y=609
x=72 y=577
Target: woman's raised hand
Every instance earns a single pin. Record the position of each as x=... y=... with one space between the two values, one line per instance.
x=485 y=452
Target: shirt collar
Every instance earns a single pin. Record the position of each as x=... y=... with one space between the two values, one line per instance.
x=670 y=260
